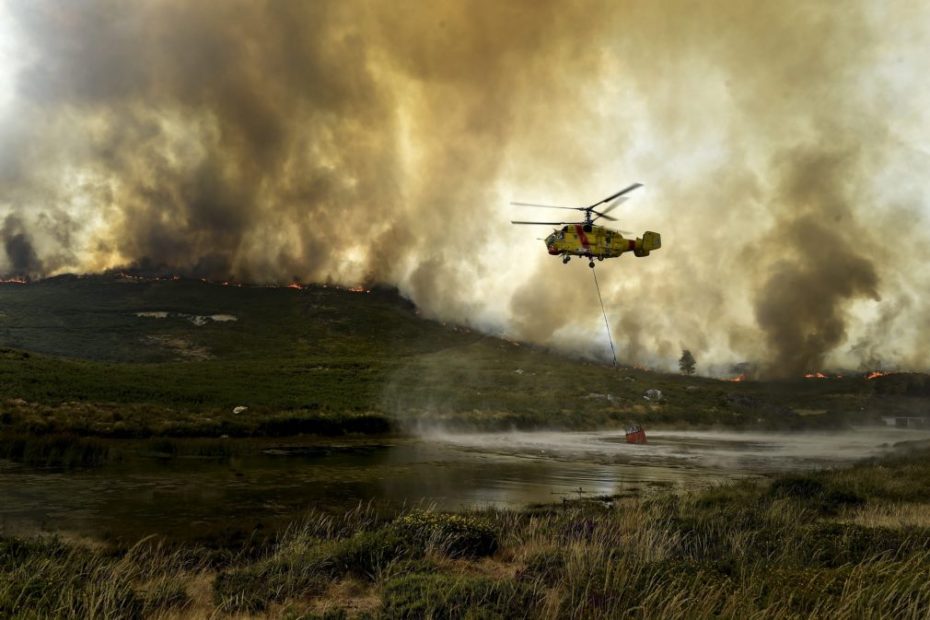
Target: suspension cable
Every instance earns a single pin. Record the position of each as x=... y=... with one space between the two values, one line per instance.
x=604 y=312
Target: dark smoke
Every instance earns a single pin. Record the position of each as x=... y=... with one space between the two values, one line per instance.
x=801 y=304
x=380 y=142
x=22 y=259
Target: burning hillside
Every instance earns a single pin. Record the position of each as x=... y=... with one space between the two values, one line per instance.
x=351 y=143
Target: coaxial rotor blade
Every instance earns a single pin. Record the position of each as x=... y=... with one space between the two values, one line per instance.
x=541 y=223
x=613 y=204
x=620 y=193
x=603 y=215
x=533 y=204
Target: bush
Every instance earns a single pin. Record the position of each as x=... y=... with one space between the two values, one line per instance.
x=815 y=494
x=456 y=535
x=302 y=568
x=421 y=595
x=799 y=487
x=364 y=554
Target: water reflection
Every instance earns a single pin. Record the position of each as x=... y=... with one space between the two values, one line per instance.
x=192 y=498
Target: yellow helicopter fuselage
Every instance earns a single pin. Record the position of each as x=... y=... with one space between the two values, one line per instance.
x=593 y=241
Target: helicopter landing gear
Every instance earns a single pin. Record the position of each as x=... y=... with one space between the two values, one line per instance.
x=565 y=259
x=591 y=264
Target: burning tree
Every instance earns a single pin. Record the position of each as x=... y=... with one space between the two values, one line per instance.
x=686 y=362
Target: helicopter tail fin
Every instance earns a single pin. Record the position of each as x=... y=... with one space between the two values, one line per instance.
x=650 y=241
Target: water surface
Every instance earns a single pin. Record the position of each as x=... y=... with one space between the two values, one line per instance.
x=271 y=485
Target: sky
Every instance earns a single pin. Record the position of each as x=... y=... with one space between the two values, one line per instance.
x=782 y=148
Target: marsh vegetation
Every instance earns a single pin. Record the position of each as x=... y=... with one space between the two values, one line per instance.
x=844 y=543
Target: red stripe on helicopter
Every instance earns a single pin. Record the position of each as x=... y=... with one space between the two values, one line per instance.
x=583 y=238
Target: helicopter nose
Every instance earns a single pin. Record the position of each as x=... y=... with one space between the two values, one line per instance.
x=553 y=250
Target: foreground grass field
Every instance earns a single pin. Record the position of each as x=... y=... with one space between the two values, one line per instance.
x=851 y=543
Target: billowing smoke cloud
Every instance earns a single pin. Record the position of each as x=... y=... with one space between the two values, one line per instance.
x=20 y=254
x=817 y=267
x=781 y=150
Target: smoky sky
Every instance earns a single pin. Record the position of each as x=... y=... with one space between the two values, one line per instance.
x=781 y=148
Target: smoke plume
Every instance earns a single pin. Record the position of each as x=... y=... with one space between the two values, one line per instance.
x=782 y=149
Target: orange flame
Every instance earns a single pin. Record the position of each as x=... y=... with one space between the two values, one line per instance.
x=816 y=375
x=874 y=374
x=14 y=280
x=737 y=378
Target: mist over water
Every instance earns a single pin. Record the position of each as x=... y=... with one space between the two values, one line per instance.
x=187 y=498
x=782 y=150
x=738 y=452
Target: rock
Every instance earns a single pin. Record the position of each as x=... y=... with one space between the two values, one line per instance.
x=653 y=394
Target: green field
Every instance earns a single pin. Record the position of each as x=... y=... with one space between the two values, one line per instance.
x=78 y=359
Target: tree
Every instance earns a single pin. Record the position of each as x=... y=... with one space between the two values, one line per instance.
x=686 y=362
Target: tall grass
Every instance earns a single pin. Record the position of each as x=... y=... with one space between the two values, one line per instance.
x=796 y=547
x=47 y=578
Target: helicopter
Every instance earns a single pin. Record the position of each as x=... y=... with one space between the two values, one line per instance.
x=590 y=240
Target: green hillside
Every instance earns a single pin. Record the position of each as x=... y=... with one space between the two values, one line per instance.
x=113 y=355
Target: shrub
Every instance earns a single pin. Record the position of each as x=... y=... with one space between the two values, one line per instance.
x=799 y=487
x=364 y=554
x=815 y=494
x=421 y=595
x=301 y=568
x=456 y=535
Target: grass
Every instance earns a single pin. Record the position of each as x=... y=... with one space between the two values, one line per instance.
x=76 y=359
x=84 y=381
x=837 y=544
x=48 y=578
